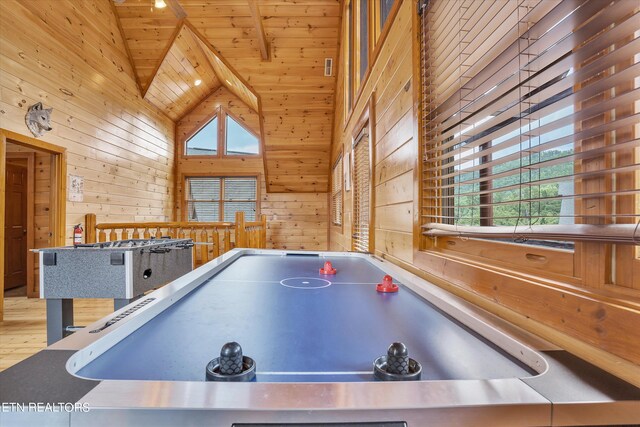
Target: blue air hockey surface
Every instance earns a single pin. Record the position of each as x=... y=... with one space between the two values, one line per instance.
x=299 y=325
x=314 y=339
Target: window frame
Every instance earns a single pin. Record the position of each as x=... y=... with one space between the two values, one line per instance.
x=520 y=261
x=354 y=85
x=221 y=113
x=365 y=123
x=236 y=119
x=184 y=201
x=216 y=115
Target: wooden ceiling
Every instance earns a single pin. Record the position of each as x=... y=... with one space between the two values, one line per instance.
x=168 y=47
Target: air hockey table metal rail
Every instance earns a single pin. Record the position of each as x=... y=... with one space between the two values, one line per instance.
x=133 y=367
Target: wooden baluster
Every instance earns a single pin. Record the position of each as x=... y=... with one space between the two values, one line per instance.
x=136 y=233
x=227 y=240
x=205 y=248
x=146 y=234
x=102 y=236
x=181 y=233
x=263 y=231
x=158 y=233
x=241 y=231
x=173 y=232
x=90 y=228
x=193 y=236
x=124 y=235
x=216 y=243
x=113 y=235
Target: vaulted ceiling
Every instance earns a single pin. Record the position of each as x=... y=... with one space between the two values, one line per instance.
x=270 y=53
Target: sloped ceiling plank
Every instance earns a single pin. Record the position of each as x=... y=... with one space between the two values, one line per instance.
x=173 y=88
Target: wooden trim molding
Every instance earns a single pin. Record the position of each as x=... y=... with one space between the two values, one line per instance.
x=3 y=155
x=58 y=191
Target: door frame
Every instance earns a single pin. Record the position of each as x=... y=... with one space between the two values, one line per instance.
x=30 y=158
x=366 y=120
x=58 y=191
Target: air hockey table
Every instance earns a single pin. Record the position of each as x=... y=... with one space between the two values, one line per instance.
x=314 y=339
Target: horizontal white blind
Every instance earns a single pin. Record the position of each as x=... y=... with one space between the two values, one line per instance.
x=203 y=199
x=212 y=199
x=240 y=195
x=361 y=182
x=336 y=193
x=538 y=128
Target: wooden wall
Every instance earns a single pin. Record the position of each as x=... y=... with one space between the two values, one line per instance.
x=70 y=56
x=396 y=151
x=294 y=220
x=601 y=326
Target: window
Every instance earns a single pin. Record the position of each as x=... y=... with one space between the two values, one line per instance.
x=223 y=134
x=382 y=13
x=528 y=138
x=360 y=241
x=365 y=24
x=239 y=141
x=212 y=199
x=336 y=192
x=348 y=53
x=205 y=140
x=364 y=38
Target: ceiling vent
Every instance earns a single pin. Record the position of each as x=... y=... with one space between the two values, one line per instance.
x=328 y=67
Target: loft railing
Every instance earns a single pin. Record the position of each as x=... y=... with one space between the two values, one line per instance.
x=212 y=238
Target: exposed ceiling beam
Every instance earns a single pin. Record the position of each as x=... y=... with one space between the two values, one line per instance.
x=177 y=9
x=262 y=39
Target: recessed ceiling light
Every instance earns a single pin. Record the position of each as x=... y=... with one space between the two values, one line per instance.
x=159 y=4
x=197 y=82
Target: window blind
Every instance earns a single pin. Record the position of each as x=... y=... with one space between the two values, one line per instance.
x=240 y=195
x=530 y=115
x=336 y=192
x=361 y=196
x=212 y=199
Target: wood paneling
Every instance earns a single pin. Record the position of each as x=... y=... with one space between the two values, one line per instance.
x=592 y=323
x=228 y=77
x=295 y=36
x=294 y=220
x=300 y=36
x=148 y=32
x=173 y=89
x=75 y=61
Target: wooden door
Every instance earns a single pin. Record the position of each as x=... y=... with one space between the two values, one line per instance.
x=15 y=226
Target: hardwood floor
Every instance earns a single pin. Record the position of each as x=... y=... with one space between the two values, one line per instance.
x=24 y=329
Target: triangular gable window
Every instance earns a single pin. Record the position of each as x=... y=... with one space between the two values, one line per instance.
x=205 y=141
x=239 y=141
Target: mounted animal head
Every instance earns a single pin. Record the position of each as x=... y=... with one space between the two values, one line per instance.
x=37 y=119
